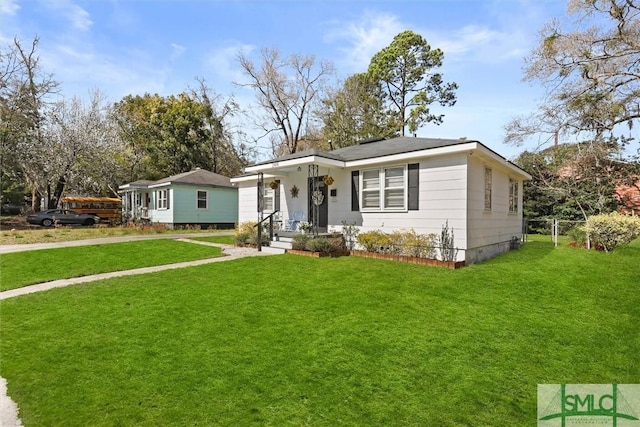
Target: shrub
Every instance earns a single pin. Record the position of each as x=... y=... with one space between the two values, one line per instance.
x=247 y=234
x=446 y=243
x=319 y=244
x=405 y=243
x=247 y=227
x=338 y=242
x=350 y=233
x=253 y=240
x=374 y=241
x=242 y=239
x=394 y=243
x=418 y=245
x=612 y=230
x=300 y=242
x=577 y=235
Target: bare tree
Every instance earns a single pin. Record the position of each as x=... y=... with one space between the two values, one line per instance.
x=81 y=150
x=24 y=97
x=225 y=156
x=589 y=67
x=286 y=90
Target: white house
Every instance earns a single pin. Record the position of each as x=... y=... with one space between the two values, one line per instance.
x=197 y=197
x=395 y=184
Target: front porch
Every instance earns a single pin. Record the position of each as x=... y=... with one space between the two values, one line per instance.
x=135 y=201
x=281 y=236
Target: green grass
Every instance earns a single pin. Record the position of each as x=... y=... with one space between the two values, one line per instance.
x=287 y=340
x=25 y=268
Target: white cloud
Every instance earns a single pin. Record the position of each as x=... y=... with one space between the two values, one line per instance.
x=9 y=7
x=363 y=38
x=79 y=18
x=479 y=44
x=224 y=61
x=177 y=51
x=501 y=41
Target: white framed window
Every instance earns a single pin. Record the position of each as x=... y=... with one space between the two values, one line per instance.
x=201 y=199
x=384 y=188
x=487 y=188
x=267 y=200
x=513 y=196
x=370 y=189
x=162 y=199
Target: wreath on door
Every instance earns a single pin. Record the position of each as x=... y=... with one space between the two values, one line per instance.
x=317 y=197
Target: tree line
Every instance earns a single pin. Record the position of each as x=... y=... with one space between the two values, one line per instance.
x=588 y=65
x=51 y=145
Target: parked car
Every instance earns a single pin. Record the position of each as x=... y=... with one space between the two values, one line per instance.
x=61 y=216
x=10 y=209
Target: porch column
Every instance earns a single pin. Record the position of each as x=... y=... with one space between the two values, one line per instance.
x=260 y=189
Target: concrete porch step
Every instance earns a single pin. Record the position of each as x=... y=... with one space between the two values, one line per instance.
x=281 y=244
x=273 y=250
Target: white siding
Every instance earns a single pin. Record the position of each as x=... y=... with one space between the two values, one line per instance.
x=443 y=186
x=164 y=216
x=490 y=232
x=451 y=190
x=247 y=202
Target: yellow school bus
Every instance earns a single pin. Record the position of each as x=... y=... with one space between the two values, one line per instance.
x=109 y=209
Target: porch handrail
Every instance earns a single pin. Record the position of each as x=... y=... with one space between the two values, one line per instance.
x=259 y=225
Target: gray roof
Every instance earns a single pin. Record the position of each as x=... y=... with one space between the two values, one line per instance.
x=196 y=177
x=381 y=147
x=301 y=154
x=375 y=148
x=140 y=183
x=388 y=147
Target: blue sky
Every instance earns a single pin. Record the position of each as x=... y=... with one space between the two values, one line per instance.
x=132 y=47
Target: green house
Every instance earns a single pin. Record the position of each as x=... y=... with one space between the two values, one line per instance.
x=198 y=197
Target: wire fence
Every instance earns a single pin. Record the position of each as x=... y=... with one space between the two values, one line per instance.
x=549 y=227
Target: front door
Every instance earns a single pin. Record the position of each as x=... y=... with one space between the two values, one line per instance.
x=318 y=199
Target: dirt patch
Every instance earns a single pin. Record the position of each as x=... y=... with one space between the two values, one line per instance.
x=16 y=222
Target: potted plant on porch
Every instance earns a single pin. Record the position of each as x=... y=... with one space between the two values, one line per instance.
x=304 y=227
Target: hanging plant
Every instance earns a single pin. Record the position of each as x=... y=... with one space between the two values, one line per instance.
x=328 y=180
x=274 y=185
x=294 y=191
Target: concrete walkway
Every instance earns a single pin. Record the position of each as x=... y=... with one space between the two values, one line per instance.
x=4 y=249
x=230 y=252
x=8 y=408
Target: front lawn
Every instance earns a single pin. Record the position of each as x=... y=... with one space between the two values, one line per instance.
x=26 y=268
x=287 y=340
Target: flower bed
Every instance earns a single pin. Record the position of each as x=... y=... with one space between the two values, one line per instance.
x=409 y=259
x=315 y=254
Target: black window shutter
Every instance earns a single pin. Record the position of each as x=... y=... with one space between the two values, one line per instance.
x=414 y=186
x=168 y=194
x=355 y=186
x=276 y=202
